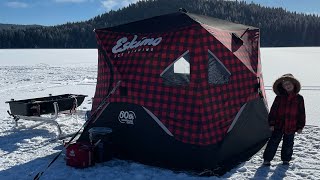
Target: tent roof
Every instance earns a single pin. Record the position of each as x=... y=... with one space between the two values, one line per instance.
x=219 y=23
x=167 y=22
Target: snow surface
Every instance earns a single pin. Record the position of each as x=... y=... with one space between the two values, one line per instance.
x=27 y=149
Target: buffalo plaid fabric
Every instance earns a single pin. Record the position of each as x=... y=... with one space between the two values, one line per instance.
x=197 y=113
x=288 y=113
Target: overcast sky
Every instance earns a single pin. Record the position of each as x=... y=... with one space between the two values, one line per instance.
x=54 y=12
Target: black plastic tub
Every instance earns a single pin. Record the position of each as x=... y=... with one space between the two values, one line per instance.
x=44 y=105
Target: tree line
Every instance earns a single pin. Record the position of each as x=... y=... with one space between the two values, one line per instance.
x=278 y=27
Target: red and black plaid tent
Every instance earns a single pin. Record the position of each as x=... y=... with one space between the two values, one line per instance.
x=191 y=94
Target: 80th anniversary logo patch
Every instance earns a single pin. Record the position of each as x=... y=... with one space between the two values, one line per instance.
x=126 y=117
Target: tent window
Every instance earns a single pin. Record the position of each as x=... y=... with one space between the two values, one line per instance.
x=178 y=73
x=217 y=72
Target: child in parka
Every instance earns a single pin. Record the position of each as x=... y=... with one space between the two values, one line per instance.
x=287 y=116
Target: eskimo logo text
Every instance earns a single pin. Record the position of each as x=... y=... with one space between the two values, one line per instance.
x=124 y=44
x=126 y=117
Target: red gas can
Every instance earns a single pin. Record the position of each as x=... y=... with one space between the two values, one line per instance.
x=80 y=155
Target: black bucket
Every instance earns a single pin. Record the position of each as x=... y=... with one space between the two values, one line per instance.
x=103 y=149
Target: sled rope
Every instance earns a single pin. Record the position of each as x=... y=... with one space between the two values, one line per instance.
x=103 y=102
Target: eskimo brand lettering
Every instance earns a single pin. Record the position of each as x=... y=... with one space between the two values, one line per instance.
x=126 y=117
x=123 y=44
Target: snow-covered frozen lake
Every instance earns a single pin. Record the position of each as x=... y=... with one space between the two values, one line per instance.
x=26 y=150
x=55 y=65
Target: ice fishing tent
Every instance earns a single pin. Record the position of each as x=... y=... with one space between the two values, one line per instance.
x=191 y=94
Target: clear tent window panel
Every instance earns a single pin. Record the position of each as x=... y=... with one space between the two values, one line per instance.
x=178 y=72
x=217 y=72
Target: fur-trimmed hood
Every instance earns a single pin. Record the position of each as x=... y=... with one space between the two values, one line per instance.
x=277 y=85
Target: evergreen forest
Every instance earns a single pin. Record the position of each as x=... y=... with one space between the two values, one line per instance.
x=278 y=27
